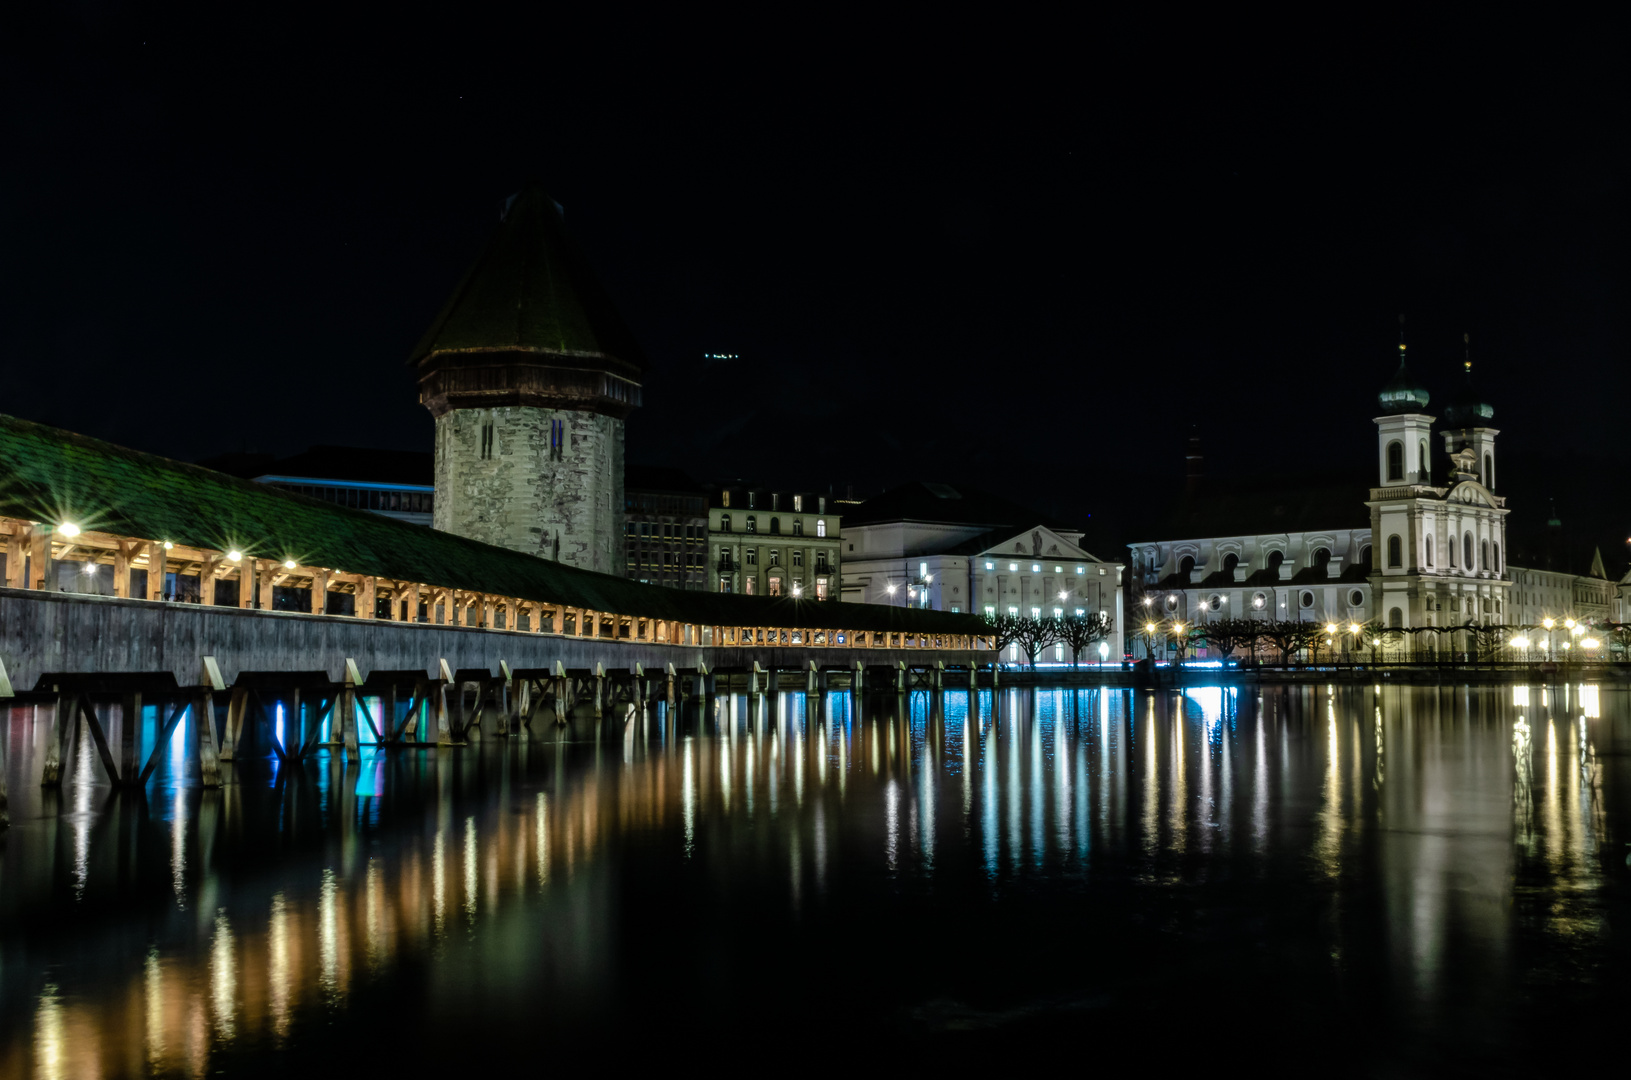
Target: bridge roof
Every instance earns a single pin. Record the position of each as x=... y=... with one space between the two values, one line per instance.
x=52 y=476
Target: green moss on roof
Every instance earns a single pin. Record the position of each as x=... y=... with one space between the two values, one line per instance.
x=53 y=476
x=531 y=290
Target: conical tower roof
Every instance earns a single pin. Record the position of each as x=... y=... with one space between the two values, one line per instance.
x=529 y=322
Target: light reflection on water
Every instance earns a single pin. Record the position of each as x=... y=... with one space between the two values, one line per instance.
x=1453 y=838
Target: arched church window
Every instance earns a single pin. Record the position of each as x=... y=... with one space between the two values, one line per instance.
x=1429 y=551
x=1466 y=551
x=1395 y=619
x=1495 y=557
x=1275 y=559
x=1422 y=461
x=1365 y=556
x=1230 y=561
x=1483 y=554
x=1395 y=460
x=1186 y=565
x=821 y=526
x=1489 y=471
x=1395 y=551
x=1321 y=559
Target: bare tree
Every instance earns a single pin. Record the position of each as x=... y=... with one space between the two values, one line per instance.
x=1004 y=630
x=1082 y=631
x=1227 y=635
x=1036 y=635
x=1291 y=636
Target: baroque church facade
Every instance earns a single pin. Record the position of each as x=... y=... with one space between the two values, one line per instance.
x=1431 y=554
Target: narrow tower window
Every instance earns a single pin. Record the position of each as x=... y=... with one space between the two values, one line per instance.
x=487 y=438
x=1466 y=551
x=1422 y=461
x=1489 y=471
x=1395 y=551
x=1395 y=461
x=557 y=439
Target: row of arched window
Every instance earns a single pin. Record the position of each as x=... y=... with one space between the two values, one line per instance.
x=1489 y=554
x=775 y=525
x=1320 y=558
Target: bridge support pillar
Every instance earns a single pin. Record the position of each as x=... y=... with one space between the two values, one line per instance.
x=810 y=680
x=900 y=676
x=56 y=747
x=209 y=762
x=600 y=690
x=130 y=738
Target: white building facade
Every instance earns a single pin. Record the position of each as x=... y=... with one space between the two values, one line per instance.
x=937 y=546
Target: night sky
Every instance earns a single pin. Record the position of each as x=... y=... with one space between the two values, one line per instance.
x=1031 y=256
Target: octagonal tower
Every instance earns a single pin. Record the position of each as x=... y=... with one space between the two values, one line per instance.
x=530 y=374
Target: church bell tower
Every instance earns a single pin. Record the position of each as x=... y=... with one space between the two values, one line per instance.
x=530 y=374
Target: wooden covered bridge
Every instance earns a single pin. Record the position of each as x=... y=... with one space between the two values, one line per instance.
x=124 y=571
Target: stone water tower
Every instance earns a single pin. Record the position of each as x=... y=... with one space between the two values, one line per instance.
x=530 y=374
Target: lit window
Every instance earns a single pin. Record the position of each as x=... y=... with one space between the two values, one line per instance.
x=1013 y=611
x=1083 y=570
x=1080 y=612
x=1059 y=613
x=821 y=526
x=1013 y=566
x=1036 y=613
x=1059 y=569
x=1036 y=568
x=798 y=504
x=922 y=569
x=990 y=566
x=990 y=611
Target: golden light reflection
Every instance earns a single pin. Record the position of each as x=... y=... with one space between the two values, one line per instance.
x=223 y=978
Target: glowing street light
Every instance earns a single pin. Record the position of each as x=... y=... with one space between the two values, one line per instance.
x=235 y=556
x=288 y=564
x=68 y=528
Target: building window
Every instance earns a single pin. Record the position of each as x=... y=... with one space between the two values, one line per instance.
x=798 y=526
x=821 y=526
x=1172 y=602
x=798 y=504
x=487 y=438
x=747 y=586
x=798 y=556
x=775 y=500
x=1013 y=567
x=1421 y=462
x=1395 y=461
x=775 y=557
x=775 y=586
x=1230 y=561
x=751 y=499
x=821 y=588
x=724 y=584
x=1466 y=551
x=724 y=523
x=753 y=556
x=1013 y=611
x=1356 y=599
x=1489 y=471
x=753 y=524
x=1036 y=613
x=991 y=611
x=1495 y=559
x=1036 y=568
x=724 y=498
x=1274 y=560
x=1429 y=551
x=1081 y=569
x=775 y=526
x=1260 y=601
x=1483 y=553
x=1395 y=552
x=1395 y=619
x=1307 y=599
x=990 y=566
x=557 y=439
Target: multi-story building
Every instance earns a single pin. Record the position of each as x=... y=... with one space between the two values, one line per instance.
x=395 y=483
x=1433 y=555
x=665 y=528
x=956 y=548
x=1538 y=595
x=773 y=543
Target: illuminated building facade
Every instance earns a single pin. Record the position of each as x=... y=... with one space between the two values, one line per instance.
x=766 y=542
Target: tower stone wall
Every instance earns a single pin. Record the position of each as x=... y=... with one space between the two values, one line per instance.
x=510 y=476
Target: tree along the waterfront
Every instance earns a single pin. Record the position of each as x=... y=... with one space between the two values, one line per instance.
x=1004 y=630
x=1036 y=635
x=1290 y=636
x=1227 y=635
x=1083 y=631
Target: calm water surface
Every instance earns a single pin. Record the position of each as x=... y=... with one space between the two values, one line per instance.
x=1376 y=881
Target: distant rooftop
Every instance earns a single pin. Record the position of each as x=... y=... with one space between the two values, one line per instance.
x=355 y=463
x=948 y=504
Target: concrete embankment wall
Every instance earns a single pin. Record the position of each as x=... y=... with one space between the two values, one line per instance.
x=70 y=632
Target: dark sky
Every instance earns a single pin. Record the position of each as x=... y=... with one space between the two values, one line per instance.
x=1029 y=255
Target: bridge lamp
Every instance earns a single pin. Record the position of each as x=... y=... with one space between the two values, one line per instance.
x=288 y=564
x=68 y=528
x=90 y=568
x=168 y=545
x=235 y=556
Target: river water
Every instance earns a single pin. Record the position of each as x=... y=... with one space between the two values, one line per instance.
x=1365 y=880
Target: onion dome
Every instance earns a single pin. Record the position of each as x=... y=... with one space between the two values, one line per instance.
x=1403 y=394
x=1468 y=408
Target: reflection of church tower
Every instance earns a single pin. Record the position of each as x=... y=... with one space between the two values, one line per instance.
x=530 y=374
